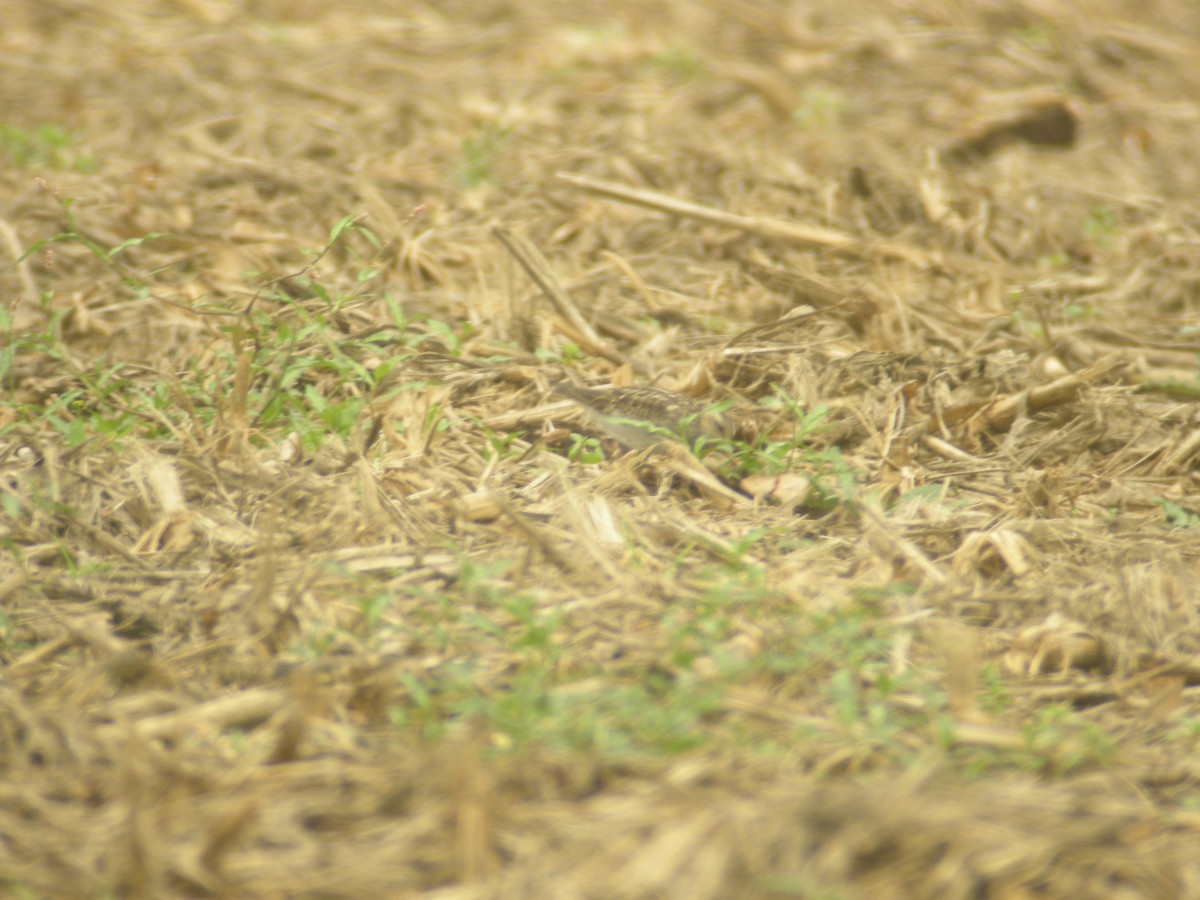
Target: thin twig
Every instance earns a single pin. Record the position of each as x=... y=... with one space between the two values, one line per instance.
x=534 y=263
x=535 y=534
x=763 y=226
x=900 y=544
x=1001 y=413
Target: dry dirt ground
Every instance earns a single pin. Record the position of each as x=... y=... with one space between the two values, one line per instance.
x=311 y=586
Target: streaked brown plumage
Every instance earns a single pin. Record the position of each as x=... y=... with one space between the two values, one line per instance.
x=643 y=416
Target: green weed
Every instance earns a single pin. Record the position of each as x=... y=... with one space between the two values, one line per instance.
x=1101 y=225
x=1176 y=515
x=679 y=63
x=50 y=146
x=481 y=150
x=821 y=108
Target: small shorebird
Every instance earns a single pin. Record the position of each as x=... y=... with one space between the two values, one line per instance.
x=640 y=417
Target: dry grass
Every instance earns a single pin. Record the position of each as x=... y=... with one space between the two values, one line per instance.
x=308 y=589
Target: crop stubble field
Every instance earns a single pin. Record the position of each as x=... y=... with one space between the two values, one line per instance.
x=311 y=586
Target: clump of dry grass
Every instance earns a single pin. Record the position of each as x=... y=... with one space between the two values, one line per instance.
x=311 y=587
